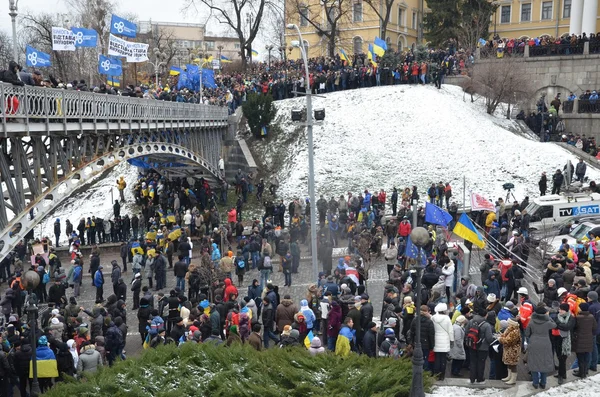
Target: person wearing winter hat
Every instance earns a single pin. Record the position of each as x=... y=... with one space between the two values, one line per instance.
x=46 y=364
x=585 y=339
x=540 y=358
x=369 y=342
x=457 y=352
x=444 y=339
x=511 y=349
x=561 y=338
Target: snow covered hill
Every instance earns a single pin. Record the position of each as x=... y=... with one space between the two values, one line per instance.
x=403 y=135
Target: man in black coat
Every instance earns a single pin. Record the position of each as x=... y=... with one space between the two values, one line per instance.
x=557 y=181
x=57 y=231
x=10 y=75
x=370 y=340
x=136 y=286
x=121 y=290
x=427 y=334
x=115 y=275
x=366 y=312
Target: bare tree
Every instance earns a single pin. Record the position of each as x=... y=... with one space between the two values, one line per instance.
x=383 y=10
x=6 y=53
x=501 y=81
x=335 y=13
x=234 y=14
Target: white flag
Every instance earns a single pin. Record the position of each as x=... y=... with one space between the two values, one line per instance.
x=119 y=47
x=62 y=39
x=479 y=203
x=139 y=52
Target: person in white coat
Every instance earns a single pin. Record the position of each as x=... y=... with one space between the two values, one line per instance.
x=448 y=272
x=444 y=339
x=457 y=352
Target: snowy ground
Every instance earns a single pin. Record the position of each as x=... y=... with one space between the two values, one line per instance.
x=403 y=135
x=455 y=391
x=579 y=388
x=93 y=199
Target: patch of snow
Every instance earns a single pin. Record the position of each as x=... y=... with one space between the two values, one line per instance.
x=445 y=391
x=402 y=136
x=94 y=199
x=579 y=388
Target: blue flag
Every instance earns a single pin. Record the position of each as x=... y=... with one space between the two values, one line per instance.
x=208 y=78
x=109 y=66
x=436 y=215
x=122 y=27
x=183 y=80
x=193 y=74
x=85 y=37
x=412 y=251
x=37 y=58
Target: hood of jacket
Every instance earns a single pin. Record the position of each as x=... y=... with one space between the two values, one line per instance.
x=227 y=282
x=315 y=343
x=287 y=302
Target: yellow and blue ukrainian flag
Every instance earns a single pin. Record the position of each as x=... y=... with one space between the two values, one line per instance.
x=254 y=53
x=224 y=59
x=380 y=46
x=174 y=71
x=344 y=56
x=464 y=228
x=371 y=55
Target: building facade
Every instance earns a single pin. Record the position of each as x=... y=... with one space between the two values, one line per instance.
x=535 y=18
x=360 y=24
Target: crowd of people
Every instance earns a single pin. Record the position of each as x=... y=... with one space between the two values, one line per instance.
x=539 y=46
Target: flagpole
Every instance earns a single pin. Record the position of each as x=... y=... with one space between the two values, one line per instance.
x=464 y=192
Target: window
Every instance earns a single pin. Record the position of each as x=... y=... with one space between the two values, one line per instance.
x=304 y=16
x=236 y=46
x=400 y=17
x=526 y=12
x=357 y=45
x=546 y=10
x=505 y=14
x=567 y=9
x=210 y=45
x=414 y=20
x=357 y=11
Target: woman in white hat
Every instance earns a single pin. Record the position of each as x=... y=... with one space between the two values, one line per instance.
x=457 y=352
x=444 y=339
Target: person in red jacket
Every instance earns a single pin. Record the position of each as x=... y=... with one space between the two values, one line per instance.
x=381 y=198
x=415 y=73
x=404 y=228
x=229 y=289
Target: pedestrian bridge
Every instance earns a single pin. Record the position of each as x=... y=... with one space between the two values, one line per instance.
x=53 y=141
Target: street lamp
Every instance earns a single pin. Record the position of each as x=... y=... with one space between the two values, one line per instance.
x=32 y=280
x=269 y=48
x=160 y=57
x=12 y=7
x=419 y=237
x=282 y=53
x=311 y=162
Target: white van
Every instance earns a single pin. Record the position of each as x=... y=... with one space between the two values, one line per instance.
x=553 y=210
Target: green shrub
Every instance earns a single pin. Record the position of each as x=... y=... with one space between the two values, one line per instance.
x=208 y=370
x=259 y=112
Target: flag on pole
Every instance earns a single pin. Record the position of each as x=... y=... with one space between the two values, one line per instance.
x=37 y=58
x=224 y=59
x=464 y=228
x=254 y=53
x=380 y=46
x=174 y=71
x=343 y=55
x=479 y=203
x=412 y=251
x=371 y=55
x=122 y=27
x=436 y=215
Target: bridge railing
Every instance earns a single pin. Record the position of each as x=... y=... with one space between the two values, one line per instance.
x=54 y=105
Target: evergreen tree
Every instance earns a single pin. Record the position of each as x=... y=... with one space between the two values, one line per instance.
x=463 y=21
x=421 y=53
x=259 y=112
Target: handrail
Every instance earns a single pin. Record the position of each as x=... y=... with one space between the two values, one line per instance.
x=54 y=105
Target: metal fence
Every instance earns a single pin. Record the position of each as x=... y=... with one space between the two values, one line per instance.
x=587 y=106
x=56 y=105
x=555 y=49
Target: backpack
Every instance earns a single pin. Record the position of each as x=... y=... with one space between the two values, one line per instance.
x=267 y=265
x=46 y=278
x=473 y=339
x=77 y=273
x=241 y=264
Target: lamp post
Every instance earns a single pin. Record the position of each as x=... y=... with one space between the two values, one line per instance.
x=311 y=162
x=160 y=56
x=419 y=237
x=269 y=48
x=282 y=53
x=12 y=7
x=32 y=280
